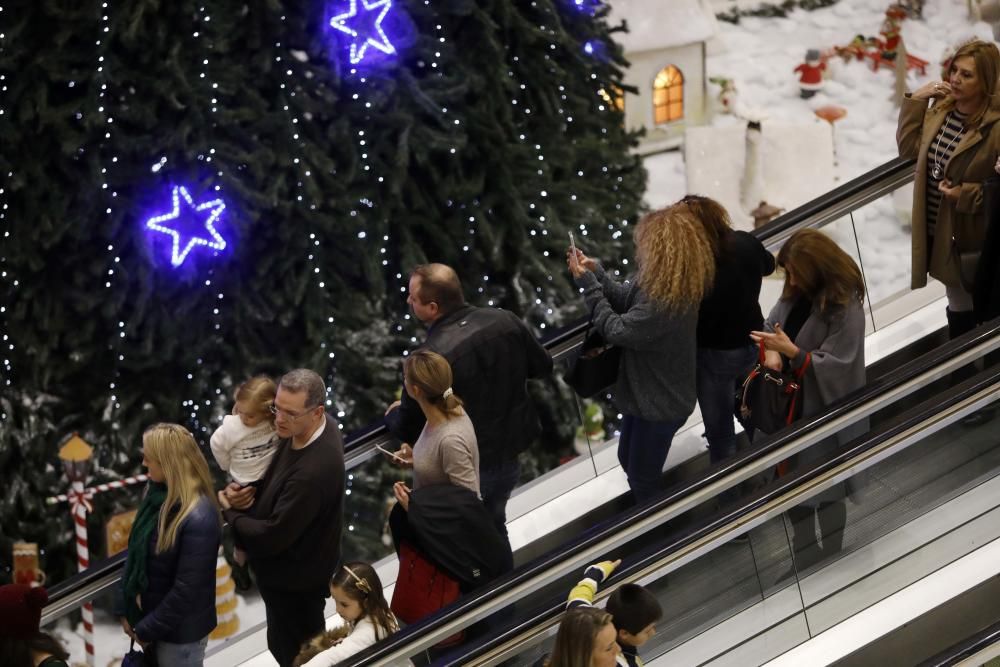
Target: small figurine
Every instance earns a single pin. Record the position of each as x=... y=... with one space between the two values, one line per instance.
x=811 y=74
x=727 y=94
x=27 y=570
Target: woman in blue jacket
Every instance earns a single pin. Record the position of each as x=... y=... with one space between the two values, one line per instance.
x=168 y=589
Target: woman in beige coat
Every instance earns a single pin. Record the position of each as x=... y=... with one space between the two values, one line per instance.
x=956 y=141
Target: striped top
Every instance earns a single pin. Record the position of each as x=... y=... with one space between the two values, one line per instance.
x=939 y=153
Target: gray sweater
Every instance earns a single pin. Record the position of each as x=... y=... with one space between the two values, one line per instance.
x=656 y=376
x=447 y=454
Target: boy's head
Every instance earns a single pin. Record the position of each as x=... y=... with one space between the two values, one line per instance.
x=634 y=611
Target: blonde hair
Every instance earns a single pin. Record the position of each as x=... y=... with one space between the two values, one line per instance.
x=675 y=256
x=432 y=374
x=820 y=270
x=186 y=473
x=987 y=63
x=575 y=640
x=259 y=391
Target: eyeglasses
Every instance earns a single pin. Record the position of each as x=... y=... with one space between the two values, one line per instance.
x=277 y=412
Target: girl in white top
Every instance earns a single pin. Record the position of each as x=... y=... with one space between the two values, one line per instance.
x=357 y=591
x=245 y=443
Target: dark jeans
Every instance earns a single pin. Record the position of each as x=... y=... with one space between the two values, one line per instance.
x=496 y=483
x=642 y=451
x=719 y=374
x=293 y=617
x=831 y=517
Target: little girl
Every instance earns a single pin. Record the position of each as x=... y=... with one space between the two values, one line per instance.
x=246 y=441
x=357 y=591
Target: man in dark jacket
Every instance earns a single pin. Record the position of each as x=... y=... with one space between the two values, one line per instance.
x=291 y=526
x=492 y=354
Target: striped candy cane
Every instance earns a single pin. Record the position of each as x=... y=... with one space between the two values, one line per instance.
x=79 y=506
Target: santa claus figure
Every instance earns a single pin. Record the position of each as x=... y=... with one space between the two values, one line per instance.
x=811 y=74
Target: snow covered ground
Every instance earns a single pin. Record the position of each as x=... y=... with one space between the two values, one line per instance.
x=759 y=54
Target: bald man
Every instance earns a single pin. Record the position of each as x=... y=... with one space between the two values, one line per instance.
x=492 y=354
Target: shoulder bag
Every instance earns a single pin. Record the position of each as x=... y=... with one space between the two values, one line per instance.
x=768 y=400
x=596 y=368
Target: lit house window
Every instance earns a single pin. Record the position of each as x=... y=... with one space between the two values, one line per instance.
x=668 y=95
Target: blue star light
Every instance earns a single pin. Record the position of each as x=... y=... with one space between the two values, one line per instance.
x=368 y=34
x=191 y=222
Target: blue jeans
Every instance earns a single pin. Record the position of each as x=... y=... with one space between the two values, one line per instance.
x=719 y=374
x=642 y=451
x=495 y=486
x=181 y=655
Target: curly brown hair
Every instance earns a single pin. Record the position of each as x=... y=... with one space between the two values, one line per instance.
x=675 y=256
x=817 y=267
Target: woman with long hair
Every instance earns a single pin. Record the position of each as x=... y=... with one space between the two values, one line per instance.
x=168 y=587
x=653 y=320
x=951 y=128
x=586 y=638
x=727 y=315
x=22 y=643
x=819 y=324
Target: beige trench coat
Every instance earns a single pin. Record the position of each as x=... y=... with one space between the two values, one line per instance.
x=961 y=226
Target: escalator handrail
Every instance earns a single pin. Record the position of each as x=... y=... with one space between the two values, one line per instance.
x=969 y=647
x=861 y=403
x=361 y=444
x=656 y=558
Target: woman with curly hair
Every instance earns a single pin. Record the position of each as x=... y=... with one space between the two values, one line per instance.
x=653 y=320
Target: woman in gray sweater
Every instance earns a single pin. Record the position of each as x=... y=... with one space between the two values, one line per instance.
x=653 y=320
x=446 y=451
x=819 y=323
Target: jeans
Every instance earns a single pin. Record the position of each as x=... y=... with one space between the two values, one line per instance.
x=719 y=374
x=495 y=486
x=293 y=617
x=181 y=655
x=642 y=451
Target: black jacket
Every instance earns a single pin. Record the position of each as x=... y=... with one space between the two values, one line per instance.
x=292 y=531
x=450 y=525
x=492 y=353
x=732 y=309
x=986 y=293
x=179 y=601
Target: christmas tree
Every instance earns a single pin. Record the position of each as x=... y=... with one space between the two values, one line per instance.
x=194 y=192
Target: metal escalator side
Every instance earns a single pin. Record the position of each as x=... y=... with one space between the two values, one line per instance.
x=622 y=536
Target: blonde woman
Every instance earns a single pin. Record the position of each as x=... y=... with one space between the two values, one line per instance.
x=653 y=319
x=168 y=588
x=951 y=128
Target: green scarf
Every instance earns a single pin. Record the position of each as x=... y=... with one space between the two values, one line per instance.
x=138 y=548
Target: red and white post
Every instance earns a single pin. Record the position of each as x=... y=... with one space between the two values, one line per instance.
x=79 y=505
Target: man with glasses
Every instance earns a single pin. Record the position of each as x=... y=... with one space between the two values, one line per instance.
x=492 y=354
x=290 y=526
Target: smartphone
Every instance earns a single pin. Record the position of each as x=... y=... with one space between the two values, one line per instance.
x=392 y=454
x=572 y=242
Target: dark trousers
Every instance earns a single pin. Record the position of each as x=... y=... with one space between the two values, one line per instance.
x=642 y=450
x=496 y=483
x=831 y=517
x=720 y=372
x=293 y=617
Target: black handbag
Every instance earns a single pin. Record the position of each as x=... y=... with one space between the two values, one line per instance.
x=768 y=400
x=596 y=368
x=137 y=658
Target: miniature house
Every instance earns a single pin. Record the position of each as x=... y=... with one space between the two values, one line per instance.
x=665 y=46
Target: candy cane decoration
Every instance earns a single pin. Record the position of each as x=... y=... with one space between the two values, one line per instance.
x=79 y=503
x=79 y=498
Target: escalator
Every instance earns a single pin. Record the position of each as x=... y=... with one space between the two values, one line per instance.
x=924 y=497
x=920 y=334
